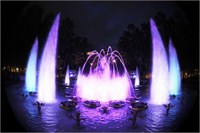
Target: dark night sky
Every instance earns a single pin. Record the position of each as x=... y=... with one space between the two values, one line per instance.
x=104 y=22
x=101 y=22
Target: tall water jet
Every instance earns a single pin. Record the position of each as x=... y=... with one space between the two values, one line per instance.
x=137 y=78
x=31 y=68
x=78 y=76
x=104 y=80
x=67 y=80
x=159 y=81
x=174 y=71
x=46 y=84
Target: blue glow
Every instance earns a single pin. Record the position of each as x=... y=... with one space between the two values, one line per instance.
x=137 y=78
x=78 y=76
x=31 y=68
x=159 y=80
x=47 y=71
x=174 y=71
x=67 y=80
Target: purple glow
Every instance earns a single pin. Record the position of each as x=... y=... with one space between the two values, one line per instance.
x=137 y=78
x=174 y=71
x=103 y=81
x=31 y=68
x=46 y=84
x=159 y=81
x=67 y=80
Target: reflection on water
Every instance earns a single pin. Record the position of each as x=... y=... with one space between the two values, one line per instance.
x=155 y=118
x=54 y=119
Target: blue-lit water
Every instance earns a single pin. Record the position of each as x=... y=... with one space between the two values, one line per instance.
x=31 y=68
x=174 y=70
x=53 y=118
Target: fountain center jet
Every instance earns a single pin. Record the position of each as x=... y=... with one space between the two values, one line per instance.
x=104 y=77
x=47 y=83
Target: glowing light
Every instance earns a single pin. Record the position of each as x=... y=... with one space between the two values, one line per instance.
x=78 y=77
x=31 y=68
x=88 y=53
x=174 y=71
x=17 y=69
x=104 y=82
x=67 y=80
x=46 y=84
x=159 y=81
x=137 y=78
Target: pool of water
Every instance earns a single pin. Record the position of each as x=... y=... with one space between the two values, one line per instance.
x=52 y=118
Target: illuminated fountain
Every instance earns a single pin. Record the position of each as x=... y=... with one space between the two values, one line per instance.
x=159 y=81
x=67 y=80
x=46 y=83
x=31 y=68
x=104 y=81
x=174 y=71
x=137 y=80
x=78 y=76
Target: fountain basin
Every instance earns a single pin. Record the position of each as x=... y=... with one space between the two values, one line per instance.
x=116 y=104
x=69 y=105
x=91 y=103
x=138 y=106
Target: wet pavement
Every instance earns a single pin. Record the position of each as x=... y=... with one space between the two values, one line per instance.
x=52 y=118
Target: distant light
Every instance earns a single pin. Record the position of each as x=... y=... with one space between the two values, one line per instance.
x=114 y=61
x=17 y=69
x=147 y=76
x=88 y=53
x=4 y=68
x=91 y=64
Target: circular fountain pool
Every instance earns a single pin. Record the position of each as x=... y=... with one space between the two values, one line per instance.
x=52 y=118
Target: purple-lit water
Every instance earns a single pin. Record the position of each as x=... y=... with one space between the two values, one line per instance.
x=160 y=78
x=31 y=69
x=174 y=71
x=54 y=119
x=104 y=78
x=47 y=71
x=137 y=78
x=67 y=80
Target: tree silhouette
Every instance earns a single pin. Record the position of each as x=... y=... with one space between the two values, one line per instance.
x=136 y=42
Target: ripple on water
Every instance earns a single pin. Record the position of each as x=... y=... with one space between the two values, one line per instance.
x=53 y=118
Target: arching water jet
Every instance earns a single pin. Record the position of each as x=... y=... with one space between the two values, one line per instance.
x=31 y=68
x=174 y=71
x=160 y=78
x=47 y=83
